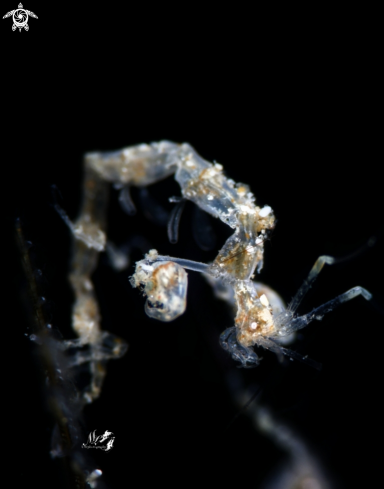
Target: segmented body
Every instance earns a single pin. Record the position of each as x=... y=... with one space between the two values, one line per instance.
x=260 y=316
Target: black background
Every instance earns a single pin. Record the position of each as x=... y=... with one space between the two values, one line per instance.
x=296 y=114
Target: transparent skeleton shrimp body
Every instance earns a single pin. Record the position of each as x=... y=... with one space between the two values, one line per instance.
x=261 y=318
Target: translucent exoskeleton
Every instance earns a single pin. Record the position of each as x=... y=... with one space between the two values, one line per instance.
x=261 y=317
x=165 y=285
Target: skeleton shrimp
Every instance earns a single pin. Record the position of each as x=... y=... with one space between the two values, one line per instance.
x=261 y=319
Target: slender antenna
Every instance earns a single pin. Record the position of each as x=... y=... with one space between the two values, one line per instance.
x=316 y=269
x=366 y=246
x=318 y=313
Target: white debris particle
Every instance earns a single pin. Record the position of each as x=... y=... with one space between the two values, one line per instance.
x=265 y=211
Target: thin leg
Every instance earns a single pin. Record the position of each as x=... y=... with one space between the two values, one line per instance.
x=316 y=269
x=271 y=344
x=243 y=354
x=174 y=220
x=318 y=313
x=126 y=201
x=188 y=264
